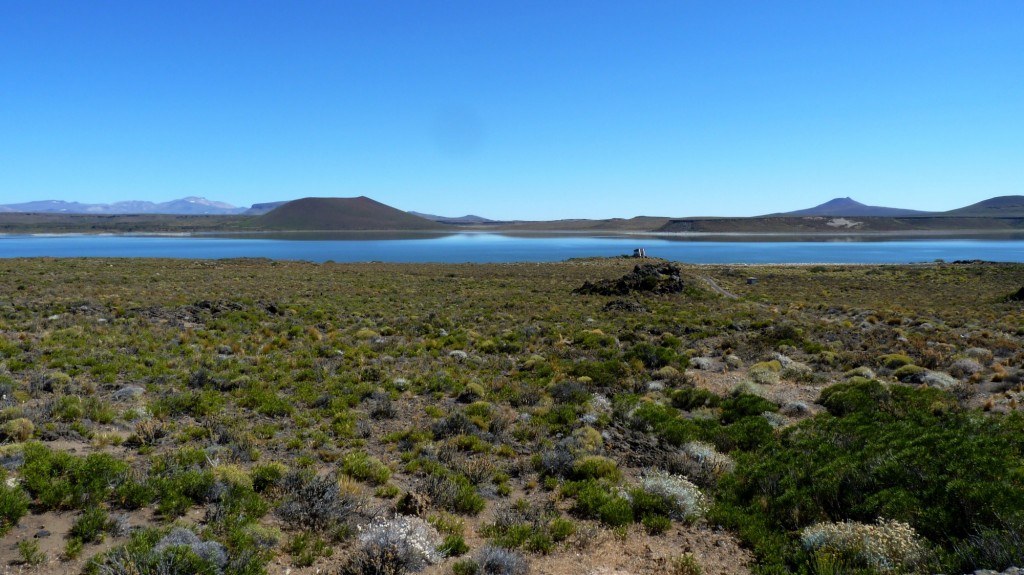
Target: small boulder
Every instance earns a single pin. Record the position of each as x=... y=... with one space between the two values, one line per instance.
x=128 y=392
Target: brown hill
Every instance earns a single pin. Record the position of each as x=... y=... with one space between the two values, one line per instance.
x=1001 y=206
x=342 y=214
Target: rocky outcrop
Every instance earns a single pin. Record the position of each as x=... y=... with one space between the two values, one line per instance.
x=649 y=278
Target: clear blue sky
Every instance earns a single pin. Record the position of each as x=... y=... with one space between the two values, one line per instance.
x=529 y=110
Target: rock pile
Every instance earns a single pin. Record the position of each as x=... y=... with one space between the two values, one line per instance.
x=649 y=278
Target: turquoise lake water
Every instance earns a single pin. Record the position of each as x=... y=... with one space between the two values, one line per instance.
x=484 y=248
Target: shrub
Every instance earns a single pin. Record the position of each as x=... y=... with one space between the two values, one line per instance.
x=305 y=548
x=596 y=467
x=765 y=372
x=996 y=548
x=454 y=493
x=874 y=456
x=13 y=506
x=267 y=475
x=690 y=398
x=596 y=501
x=210 y=551
x=364 y=467
x=683 y=500
x=744 y=405
x=62 y=481
x=702 y=463
x=964 y=368
x=910 y=373
x=557 y=462
x=886 y=547
x=20 y=429
x=28 y=550
x=314 y=502
x=498 y=561
x=465 y=567
x=684 y=564
x=394 y=546
x=91 y=525
x=453 y=546
x=894 y=360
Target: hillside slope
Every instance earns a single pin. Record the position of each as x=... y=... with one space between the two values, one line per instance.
x=342 y=214
x=849 y=207
x=1002 y=206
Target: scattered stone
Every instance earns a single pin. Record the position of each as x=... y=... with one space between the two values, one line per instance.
x=458 y=354
x=41 y=534
x=128 y=392
x=939 y=380
x=650 y=278
x=791 y=364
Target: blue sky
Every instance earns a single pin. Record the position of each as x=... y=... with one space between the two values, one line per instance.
x=515 y=110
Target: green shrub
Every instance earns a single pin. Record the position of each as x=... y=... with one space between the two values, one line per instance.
x=596 y=501
x=596 y=467
x=691 y=398
x=873 y=456
x=894 y=360
x=685 y=564
x=656 y=524
x=652 y=357
x=28 y=550
x=20 y=429
x=13 y=506
x=744 y=405
x=453 y=546
x=91 y=525
x=60 y=480
x=909 y=373
x=305 y=548
x=267 y=475
x=364 y=467
x=465 y=567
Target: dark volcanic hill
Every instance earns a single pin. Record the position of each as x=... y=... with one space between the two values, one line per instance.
x=342 y=214
x=850 y=207
x=1002 y=206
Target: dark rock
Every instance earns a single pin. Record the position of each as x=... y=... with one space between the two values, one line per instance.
x=625 y=305
x=41 y=534
x=1019 y=296
x=648 y=278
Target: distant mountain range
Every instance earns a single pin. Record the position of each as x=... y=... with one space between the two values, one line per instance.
x=1002 y=206
x=189 y=206
x=840 y=215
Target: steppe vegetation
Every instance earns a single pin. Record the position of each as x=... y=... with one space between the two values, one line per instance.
x=250 y=416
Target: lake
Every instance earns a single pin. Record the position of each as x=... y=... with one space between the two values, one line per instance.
x=497 y=248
